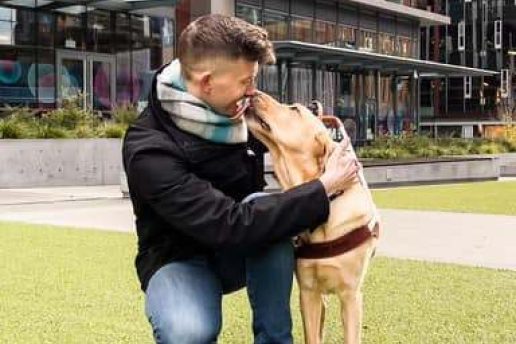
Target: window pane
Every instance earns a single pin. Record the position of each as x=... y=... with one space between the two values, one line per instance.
x=6 y=13
x=98 y=36
x=387 y=44
x=301 y=29
x=45 y=30
x=250 y=14
x=122 y=38
x=69 y=31
x=325 y=84
x=368 y=40
x=301 y=85
x=140 y=71
x=404 y=46
x=346 y=37
x=6 y=33
x=385 y=123
x=24 y=28
x=346 y=99
x=156 y=42
x=276 y=25
x=141 y=32
x=45 y=78
x=325 y=33
x=162 y=41
x=168 y=30
x=125 y=83
x=14 y=77
x=403 y=120
x=101 y=75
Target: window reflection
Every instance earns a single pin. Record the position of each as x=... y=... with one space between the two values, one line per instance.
x=45 y=82
x=346 y=36
x=24 y=27
x=368 y=40
x=15 y=83
x=269 y=80
x=45 y=30
x=250 y=14
x=325 y=84
x=387 y=44
x=276 y=25
x=386 y=118
x=404 y=46
x=16 y=27
x=346 y=98
x=141 y=31
x=301 y=29
x=99 y=32
x=69 y=32
x=325 y=33
x=301 y=84
x=6 y=33
x=7 y=13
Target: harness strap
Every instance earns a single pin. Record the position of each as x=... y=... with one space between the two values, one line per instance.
x=335 y=247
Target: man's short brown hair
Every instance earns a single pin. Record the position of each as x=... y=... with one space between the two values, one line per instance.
x=218 y=35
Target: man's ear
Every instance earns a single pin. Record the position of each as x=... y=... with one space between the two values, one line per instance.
x=323 y=149
x=205 y=82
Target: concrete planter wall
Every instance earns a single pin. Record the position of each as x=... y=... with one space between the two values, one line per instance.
x=508 y=164
x=433 y=172
x=67 y=162
x=419 y=172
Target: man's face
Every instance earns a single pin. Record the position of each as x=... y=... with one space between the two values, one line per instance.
x=228 y=85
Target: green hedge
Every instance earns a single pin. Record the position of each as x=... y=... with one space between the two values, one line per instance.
x=407 y=147
x=69 y=121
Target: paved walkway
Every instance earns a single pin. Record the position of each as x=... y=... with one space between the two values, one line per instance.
x=470 y=239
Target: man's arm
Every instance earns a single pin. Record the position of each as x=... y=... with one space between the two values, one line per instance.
x=194 y=207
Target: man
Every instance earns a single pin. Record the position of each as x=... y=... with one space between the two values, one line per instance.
x=189 y=169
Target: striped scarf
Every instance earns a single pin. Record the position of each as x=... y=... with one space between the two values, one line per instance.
x=192 y=114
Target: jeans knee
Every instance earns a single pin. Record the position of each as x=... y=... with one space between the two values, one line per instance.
x=184 y=330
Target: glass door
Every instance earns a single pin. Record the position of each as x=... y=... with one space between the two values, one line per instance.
x=89 y=76
x=101 y=81
x=71 y=81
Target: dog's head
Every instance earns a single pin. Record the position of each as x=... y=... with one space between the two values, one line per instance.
x=297 y=140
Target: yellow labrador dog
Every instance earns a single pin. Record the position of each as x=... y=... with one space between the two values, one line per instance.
x=334 y=258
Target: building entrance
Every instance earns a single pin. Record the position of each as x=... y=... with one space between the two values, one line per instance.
x=91 y=76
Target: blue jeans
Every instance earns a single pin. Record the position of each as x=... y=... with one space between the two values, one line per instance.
x=183 y=298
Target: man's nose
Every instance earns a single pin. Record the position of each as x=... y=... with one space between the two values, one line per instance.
x=250 y=91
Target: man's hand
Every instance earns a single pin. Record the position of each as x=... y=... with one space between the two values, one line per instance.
x=341 y=169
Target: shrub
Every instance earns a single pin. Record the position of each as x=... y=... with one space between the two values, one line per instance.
x=84 y=132
x=18 y=123
x=71 y=115
x=425 y=147
x=13 y=129
x=125 y=114
x=47 y=131
x=113 y=130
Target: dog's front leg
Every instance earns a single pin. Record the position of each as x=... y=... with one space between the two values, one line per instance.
x=312 y=311
x=351 y=315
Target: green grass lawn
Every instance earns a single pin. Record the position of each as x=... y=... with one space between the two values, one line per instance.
x=484 y=197
x=72 y=286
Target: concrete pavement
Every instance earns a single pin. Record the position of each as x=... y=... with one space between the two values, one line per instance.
x=469 y=239
x=98 y=207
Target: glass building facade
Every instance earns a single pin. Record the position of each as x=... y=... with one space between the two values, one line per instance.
x=49 y=52
x=369 y=102
x=482 y=35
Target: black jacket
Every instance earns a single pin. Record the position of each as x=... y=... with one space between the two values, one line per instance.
x=186 y=191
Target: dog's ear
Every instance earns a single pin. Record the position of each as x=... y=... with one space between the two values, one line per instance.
x=323 y=145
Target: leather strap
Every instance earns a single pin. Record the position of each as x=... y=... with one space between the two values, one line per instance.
x=333 y=248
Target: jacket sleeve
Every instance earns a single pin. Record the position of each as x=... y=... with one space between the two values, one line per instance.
x=193 y=206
